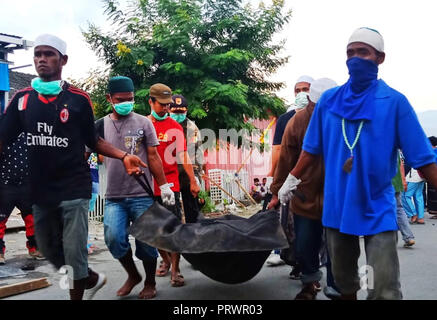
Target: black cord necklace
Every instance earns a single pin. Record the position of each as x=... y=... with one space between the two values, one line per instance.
x=121 y=126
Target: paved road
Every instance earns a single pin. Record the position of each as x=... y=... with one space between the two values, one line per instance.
x=418 y=266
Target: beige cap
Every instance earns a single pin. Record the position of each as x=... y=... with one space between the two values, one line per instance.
x=305 y=78
x=161 y=92
x=368 y=36
x=319 y=86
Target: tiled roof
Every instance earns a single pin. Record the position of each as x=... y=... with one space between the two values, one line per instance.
x=18 y=81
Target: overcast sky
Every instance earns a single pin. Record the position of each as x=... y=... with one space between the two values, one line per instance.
x=316 y=39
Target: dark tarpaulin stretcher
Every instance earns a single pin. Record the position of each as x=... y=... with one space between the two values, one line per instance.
x=229 y=249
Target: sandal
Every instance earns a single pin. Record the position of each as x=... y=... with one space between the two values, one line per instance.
x=177 y=281
x=163 y=269
x=413 y=220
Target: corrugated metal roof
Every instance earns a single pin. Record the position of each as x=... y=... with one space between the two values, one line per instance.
x=11 y=42
x=10 y=35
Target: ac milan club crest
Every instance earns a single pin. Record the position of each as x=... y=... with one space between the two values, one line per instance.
x=64 y=115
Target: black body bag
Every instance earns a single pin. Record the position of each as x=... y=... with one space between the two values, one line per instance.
x=229 y=249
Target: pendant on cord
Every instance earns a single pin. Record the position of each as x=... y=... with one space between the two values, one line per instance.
x=347 y=167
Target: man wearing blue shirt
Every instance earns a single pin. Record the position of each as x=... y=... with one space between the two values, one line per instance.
x=357 y=129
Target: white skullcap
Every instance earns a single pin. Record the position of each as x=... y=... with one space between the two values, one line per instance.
x=368 y=36
x=305 y=79
x=51 y=41
x=319 y=86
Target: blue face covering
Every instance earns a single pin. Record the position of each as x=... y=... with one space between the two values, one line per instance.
x=124 y=108
x=179 y=117
x=50 y=88
x=157 y=117
x=362 y=73
x=354 y=99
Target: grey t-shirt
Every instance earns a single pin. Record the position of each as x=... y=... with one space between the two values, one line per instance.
x=133 y=134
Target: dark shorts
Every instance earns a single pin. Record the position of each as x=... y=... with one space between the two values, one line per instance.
x=14 y=196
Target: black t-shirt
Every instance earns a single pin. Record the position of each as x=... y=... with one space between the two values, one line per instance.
x=280 y=126
x=57 y=130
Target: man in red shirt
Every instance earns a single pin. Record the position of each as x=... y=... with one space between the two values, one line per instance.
x=173 y=150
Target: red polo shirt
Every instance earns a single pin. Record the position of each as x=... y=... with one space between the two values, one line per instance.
x=171 y=141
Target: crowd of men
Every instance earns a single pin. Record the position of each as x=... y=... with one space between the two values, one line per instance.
x=336 y=152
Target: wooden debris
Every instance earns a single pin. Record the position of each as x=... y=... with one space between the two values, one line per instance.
x=245 y=192
x=218 y=186
x=213 y=215
x=22 y=287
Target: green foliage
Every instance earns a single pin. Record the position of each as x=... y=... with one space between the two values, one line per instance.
x=217 y=53
x=203 y=194
x=209 y=205
x=95 y=84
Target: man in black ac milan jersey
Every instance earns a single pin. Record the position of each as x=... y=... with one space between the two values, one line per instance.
x=58 y=122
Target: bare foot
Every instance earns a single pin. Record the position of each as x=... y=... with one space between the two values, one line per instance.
x=128 y=286
x=149 y=291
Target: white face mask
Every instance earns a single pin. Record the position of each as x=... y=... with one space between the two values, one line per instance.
x=301 y=100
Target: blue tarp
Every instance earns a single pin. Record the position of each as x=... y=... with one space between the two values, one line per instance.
x=4 y=77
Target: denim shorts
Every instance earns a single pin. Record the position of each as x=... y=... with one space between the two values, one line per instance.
x=119 y=214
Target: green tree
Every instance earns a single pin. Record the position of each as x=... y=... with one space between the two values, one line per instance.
x=217 y=53
x=95 y=84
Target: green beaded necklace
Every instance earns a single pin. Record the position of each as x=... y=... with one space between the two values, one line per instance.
x=347 y=167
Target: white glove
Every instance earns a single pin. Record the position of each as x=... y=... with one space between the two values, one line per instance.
x=285 y=193
x=167 y=195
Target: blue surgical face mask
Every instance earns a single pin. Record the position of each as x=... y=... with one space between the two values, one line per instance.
x=301 y=100
x=179 y=117
x=124 y=108
x=362 y=73
x=157 y=117
x=50 y=88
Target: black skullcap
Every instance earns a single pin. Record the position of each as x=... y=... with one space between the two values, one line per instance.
x=120 y=84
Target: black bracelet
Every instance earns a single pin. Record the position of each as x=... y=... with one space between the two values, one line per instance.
x=124 y=156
